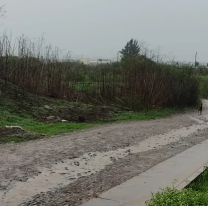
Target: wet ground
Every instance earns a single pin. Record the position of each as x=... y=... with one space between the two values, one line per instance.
x=71 y=169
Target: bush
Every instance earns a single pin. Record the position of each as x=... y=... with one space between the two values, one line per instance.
x=203 y=87
x=195 y=194
x=173 y=197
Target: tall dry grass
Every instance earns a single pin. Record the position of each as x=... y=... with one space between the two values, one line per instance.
x=134 y=84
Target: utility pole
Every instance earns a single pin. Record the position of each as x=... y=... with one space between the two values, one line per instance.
x=195 y=59
x=118 y=55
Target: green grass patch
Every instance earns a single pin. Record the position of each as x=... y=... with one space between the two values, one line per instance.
x=195 y=194
x=57 y=128
x=146 y=115
x=28 y=123
x=8 y=118
x=125 y=116
x=10 y=115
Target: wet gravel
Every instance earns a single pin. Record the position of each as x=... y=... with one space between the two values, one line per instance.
x=114 y=174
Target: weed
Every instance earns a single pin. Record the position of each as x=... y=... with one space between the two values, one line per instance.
x=195 y=194
x=145 y=115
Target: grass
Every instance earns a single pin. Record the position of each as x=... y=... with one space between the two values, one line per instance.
x=27 y=122
x=57 y=128
x=8 y=118
x=195 y=194
x=18 y=109
x=11 y=118
x=146 y=115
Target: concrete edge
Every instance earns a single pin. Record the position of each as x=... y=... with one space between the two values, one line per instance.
x=181 y=180
x=191 y=177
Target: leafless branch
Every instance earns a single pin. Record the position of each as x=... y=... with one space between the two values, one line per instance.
x=2 y=11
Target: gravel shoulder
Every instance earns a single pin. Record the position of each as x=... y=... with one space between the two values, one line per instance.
x=75 y=167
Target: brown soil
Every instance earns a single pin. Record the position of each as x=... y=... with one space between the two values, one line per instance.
x=78 y=114
x=10 y=131
x=16 y=135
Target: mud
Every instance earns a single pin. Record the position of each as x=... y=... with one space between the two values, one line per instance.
x=70 y=169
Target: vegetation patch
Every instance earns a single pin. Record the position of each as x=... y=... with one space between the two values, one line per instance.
x=40 y=116
x=45 y=95
x=203 y=86
x=146 y=115
x=195 y=194
x=16 y=135
x=76 y=113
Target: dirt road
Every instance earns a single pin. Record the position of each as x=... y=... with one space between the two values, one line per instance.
x=68 y=170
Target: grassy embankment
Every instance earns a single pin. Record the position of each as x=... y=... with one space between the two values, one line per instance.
x=30 y=112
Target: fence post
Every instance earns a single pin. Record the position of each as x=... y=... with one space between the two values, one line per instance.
x=103 y=79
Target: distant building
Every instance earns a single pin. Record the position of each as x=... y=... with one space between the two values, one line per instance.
x=93 y=62
x=85 y=61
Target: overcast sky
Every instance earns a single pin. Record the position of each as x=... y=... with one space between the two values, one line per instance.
x=100 y=28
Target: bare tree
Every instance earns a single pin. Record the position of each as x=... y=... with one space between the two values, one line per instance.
x=2 y=11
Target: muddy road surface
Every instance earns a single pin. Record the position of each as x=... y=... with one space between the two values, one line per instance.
x=70 y=169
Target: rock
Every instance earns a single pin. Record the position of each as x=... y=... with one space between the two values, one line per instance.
x=47 y=107
x=63 y=120
x=72 y=179
x=4 y=184
x=77 y=163
x=73 y=156
x=113 y=159
x=50 y=117
x=14 y=127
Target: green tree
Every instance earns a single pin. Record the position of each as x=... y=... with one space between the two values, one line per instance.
x=132 y=49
